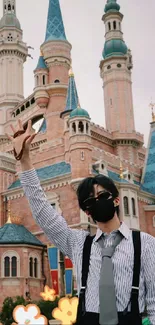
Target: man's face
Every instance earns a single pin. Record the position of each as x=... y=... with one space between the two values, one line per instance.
x=99 y=192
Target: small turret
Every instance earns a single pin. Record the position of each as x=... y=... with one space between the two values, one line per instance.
x=41 y=81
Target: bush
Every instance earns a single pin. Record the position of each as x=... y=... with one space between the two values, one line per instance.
x=46 y=307
x=7 y=309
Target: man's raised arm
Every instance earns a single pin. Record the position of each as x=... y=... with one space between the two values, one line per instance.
x=53 y=224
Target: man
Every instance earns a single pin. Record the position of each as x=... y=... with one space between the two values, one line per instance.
x=134 y=278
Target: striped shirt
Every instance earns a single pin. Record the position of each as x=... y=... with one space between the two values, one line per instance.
x=71 y=241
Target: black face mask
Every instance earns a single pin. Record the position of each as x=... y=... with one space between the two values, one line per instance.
x=101 y=209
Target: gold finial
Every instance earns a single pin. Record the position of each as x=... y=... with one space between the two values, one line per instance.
x=121 y=171
x=71 y=74
x=9 y=213
x=153 y=114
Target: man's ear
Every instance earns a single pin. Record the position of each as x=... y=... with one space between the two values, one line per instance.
x=116 y=202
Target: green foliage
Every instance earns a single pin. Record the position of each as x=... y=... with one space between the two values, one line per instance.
x=6 y=315
x=46 y=307
x=9 y=304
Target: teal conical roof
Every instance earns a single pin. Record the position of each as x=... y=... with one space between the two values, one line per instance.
x=148 y=178
x=72 y=100
x=17 y=234
x=41 y=63
x=111 y=5
x=55 y=28
x=72 y=95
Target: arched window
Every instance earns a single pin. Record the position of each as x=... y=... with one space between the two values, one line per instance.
x=10 y=264
x=74 y=127
x=37 y=80
x=126 y=205
x=17 y=111
x=56 y=81
x=114 y=24
x=109 y=26
x=14 y=266
x=43 y=79
x=81 y=127
x=133 y=206
x=34 y=267
x=27 y=104
x=31 y=267
x=7 y=266
x=87 y=127
x=32 y=101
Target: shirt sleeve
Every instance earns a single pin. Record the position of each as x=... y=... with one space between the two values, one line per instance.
x=149 y=274
x=51 y=222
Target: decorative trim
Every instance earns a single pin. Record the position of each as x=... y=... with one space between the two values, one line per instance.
x=149 y=208
x=47 y=185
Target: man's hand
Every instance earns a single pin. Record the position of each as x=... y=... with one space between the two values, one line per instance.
x=22 y=142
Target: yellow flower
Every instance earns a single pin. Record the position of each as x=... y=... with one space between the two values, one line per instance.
x=66 y=311
x=48 y=294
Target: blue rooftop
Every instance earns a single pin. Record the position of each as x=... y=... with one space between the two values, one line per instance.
x=17 y=234
x=41 y=63
x=48 y=172
x=55 y=28
x=114 y=176
x=148 y=178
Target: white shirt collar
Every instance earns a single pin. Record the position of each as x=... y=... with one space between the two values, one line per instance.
x=124 y=230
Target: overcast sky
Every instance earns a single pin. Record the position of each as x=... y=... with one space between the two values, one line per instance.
x=85 y=31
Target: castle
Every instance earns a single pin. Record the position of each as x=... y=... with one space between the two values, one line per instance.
x=69 y=146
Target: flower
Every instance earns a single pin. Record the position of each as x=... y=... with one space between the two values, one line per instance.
x=29 y=315
x=48 y=294
x=66 y=311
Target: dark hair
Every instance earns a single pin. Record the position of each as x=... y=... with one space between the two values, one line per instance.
x=86 y=188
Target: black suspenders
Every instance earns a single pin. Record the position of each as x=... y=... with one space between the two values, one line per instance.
x=136 y=274
x=85 y=270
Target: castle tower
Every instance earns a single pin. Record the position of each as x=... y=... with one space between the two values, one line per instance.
x=80 y=143
x=56 y=52
x=13 y=54
x=115 y=70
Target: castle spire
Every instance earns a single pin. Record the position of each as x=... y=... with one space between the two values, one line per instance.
x=55 y=28
x=72 y=101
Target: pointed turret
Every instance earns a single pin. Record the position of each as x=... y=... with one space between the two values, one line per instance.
x=41 y=63
x=41 y=80
x=72 y=95
x=55 y=28
x=149 y=166
x=57 y=54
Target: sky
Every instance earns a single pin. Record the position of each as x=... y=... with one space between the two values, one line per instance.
x=85 y=31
